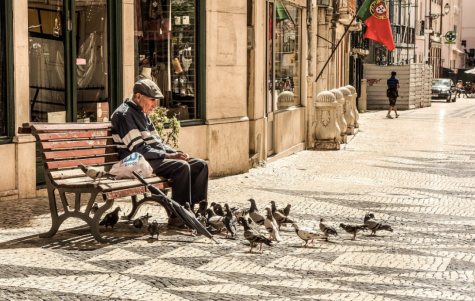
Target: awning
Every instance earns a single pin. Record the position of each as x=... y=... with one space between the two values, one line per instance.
x=471 y=71
x=459 y=51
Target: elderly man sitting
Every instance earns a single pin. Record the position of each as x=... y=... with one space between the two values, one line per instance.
x=133 y=131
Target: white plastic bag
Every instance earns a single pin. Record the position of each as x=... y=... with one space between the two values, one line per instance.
x=134 y=162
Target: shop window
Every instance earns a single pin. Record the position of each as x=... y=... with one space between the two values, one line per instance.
x=165 y=52
x=284 y=55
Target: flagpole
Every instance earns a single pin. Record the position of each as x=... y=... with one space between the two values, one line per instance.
x=335 y=48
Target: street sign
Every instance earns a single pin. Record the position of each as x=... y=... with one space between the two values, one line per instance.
x=449 y=43
x=450 y=36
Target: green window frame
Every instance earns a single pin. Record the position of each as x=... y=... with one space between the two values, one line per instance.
x=7 y=69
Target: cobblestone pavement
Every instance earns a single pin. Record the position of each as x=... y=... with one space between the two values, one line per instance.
x=415 y=172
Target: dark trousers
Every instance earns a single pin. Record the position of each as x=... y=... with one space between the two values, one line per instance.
x=460 y=91
x=190 y=179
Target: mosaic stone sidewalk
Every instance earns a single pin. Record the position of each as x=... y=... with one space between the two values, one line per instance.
x=416 y=172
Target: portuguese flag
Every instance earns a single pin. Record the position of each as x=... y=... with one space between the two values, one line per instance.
x=374 y=13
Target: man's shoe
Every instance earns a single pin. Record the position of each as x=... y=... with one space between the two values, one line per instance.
x=397 y=115
x=176 y=223
x=389 y=116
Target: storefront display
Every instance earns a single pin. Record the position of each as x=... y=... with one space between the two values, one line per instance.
x=165 y=52
x=284 y=55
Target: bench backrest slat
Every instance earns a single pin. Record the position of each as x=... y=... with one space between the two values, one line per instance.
x=62 y=127
x=88 y=152
x=74 y=163
x=73 y=135
x=63 y=144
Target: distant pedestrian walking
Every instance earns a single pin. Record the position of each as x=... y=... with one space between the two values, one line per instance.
x=460 y=89
x=392 y=93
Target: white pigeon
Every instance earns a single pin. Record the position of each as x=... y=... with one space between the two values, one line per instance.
x=307 y=233
x=271 y=226
x=95 y=173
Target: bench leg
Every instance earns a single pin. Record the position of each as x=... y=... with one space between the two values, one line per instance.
x=94 y=222
x=55 y=223
x=137 y=204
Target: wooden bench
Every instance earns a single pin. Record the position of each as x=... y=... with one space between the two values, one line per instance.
x=65 y=145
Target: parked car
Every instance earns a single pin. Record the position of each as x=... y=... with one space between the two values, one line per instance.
x=443 y=88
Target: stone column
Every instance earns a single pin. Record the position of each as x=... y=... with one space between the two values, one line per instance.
x=348 y=109
x=340 y=114
x=355 y=107
x=326 y=131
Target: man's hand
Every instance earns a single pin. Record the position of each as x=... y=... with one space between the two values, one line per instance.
x=179 y=156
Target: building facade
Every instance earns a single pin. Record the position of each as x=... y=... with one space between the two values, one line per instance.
x=468 y=33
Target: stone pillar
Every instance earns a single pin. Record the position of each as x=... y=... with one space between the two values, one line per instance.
x=326 y=131
x=340 y=114
x=348 y=109
x=355 y=107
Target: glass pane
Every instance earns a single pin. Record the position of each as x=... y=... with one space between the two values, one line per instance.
x=165 y=52
x=92 y=61
x=287 y=55
x=46 y=58
x=270 y=59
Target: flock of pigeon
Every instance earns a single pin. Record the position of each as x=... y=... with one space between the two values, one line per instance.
x=217 y=219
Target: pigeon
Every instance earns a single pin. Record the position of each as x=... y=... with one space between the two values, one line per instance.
x=253 y=236
x=271 y=226
x=142 y=222
x=154 y=229
x=94 y=208
x=280 y=218
x=202 y=219
x=254 y=213
x=327 y=230
x=188 y=207
x=306 y=234
x=230 y=221
x=353 y=229
x=111 y=218
x=375 y=226
x=252 y=224
x=218 y=209
x=214 y=220
x=285 y=211
x=240 y=212
x=95 y=173
x=202 y=206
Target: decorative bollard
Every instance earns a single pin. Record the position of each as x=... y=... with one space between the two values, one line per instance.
x=355 y=108
x=340 y=114
x=326 y=131
x=348 y=109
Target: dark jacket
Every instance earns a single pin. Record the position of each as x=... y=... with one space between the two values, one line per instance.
x=133 y=131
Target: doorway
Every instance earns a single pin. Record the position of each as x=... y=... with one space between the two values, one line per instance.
x=270 y=77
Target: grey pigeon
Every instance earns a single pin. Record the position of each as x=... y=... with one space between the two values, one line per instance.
x=94 y=208
x=353 y=229
x=230 y=221
x=285 y=211
x=253 y=236
x=279 y=217
x=375 y=226
x=142 y=222
x=153 y=229
x=202 y=219
x=111 y=218
x=218 y=209
x=254 y=213
x=202 y=206
x=252 y=224
x=327 y=231
x=306 y=234
x=240 y=212
x=188 y=208
x=95 y=173
x=271 y=226
x=214 y=220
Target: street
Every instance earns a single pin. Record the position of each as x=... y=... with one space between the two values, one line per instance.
x=416 y=173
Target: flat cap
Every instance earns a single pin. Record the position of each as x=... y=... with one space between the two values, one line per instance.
x=148 y=88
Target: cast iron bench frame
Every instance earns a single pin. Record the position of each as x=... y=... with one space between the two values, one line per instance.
x=65 y=145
